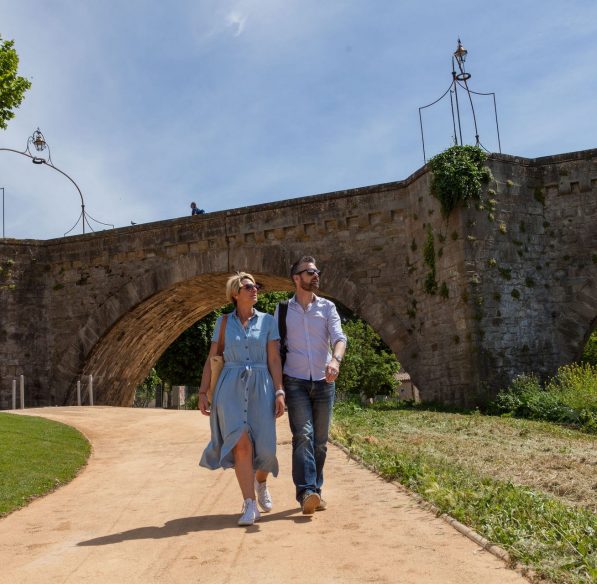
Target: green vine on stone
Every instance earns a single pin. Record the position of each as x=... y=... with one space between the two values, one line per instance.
x=458 y=176
x=430 y=285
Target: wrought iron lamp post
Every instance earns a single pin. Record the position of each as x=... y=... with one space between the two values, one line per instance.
x=460 y=79
x=39 y=144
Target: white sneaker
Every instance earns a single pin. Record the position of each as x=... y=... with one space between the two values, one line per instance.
x=250 y=513
x=263 y=496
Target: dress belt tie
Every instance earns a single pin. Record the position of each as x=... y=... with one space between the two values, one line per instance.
x=248 y=369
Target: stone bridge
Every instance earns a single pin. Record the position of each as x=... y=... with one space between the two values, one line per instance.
x=516 y=281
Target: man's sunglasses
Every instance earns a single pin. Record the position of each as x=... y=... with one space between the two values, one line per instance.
x=251 y=287
x=310 y=272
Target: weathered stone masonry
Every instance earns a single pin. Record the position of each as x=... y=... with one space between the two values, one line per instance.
x=516 y=281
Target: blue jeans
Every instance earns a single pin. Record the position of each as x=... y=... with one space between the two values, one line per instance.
x=310 y=406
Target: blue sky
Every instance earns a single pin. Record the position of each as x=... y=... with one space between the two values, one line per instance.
x=150 y=105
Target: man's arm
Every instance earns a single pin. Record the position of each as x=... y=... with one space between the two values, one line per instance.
x=338 y=342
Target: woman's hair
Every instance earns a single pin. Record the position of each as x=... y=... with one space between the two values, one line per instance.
x=234 y=283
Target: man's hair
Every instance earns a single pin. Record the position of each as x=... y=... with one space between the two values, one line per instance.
x=234 y=283
x=304 y=260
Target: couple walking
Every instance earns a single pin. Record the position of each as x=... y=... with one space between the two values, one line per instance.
x=255 y=387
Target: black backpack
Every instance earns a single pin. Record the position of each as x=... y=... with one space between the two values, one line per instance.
x=282 y=311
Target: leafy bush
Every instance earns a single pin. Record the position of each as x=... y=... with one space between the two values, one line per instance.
x=458 y=175
x=192 y=401
x=369 y=367
x=570 y=397
x=576 y=387
x=182 y=362
x=589 y=354
x=147 y=390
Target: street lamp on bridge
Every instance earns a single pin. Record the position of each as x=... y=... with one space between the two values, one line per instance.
x=460 y=79
x=39 y=144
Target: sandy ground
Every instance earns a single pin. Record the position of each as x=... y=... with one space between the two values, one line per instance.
x=143 y=511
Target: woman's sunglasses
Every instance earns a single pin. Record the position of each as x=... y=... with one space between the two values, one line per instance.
x=251 y=287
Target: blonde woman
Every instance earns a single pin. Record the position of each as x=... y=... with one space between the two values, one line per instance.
x=248 y=397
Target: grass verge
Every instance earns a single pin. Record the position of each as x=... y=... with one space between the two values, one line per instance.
x=462 y=464
x=36 y=457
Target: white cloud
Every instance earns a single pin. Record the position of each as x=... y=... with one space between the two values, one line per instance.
x=236 y=21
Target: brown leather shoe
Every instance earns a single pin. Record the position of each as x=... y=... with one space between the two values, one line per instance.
x=310 y=502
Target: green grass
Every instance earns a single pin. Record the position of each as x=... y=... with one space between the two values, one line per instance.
x=526 y=486
x=36 y=457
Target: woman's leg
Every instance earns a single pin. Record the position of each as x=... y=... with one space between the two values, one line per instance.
x=243 y=466
x=261 y=476
x=263 y=495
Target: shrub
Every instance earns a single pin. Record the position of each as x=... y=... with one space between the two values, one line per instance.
x=570 y=397
x=147 y=390
x=458 y=176
x=589 y=354
x=576 y=387
x=369 y=367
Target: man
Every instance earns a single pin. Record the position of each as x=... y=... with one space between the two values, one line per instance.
x=310 y=372
x=195 y=210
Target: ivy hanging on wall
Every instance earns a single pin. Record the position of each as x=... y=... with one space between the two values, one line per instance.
x=459 y=174
x=430 y=285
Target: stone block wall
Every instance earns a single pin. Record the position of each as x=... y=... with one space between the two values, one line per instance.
x=515 y=281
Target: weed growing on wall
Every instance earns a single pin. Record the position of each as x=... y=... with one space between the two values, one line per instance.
x=459 y=174
x=430 y=285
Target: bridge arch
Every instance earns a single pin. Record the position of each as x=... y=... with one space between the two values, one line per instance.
x=126 y=335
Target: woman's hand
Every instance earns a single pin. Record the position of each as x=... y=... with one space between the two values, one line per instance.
x=203 y=404
x=280 y=406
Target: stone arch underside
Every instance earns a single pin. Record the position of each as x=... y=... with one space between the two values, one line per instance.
x=121 y=357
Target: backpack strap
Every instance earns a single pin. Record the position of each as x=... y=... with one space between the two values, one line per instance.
x=222 y=335
x=282 y=312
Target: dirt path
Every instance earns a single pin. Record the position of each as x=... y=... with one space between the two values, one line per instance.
x=143 y=511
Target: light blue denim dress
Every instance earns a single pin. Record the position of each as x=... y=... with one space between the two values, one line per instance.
x=244 y=397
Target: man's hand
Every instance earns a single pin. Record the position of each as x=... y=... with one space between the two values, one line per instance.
x=331 y=370
x=280 y=406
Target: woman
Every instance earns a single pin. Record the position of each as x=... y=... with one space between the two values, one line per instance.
x=245 y=404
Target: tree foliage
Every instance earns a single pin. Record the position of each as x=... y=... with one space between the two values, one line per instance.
x=182 y=362
x=12 y=86
x=369 y=368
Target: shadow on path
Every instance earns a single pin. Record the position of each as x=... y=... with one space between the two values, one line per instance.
x=186 y=525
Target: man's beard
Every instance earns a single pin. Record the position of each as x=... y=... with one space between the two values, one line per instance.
x=311 y=286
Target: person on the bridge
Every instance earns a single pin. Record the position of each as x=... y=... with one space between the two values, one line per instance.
x=247 y=399
x=195 y=210
x=311 y=325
